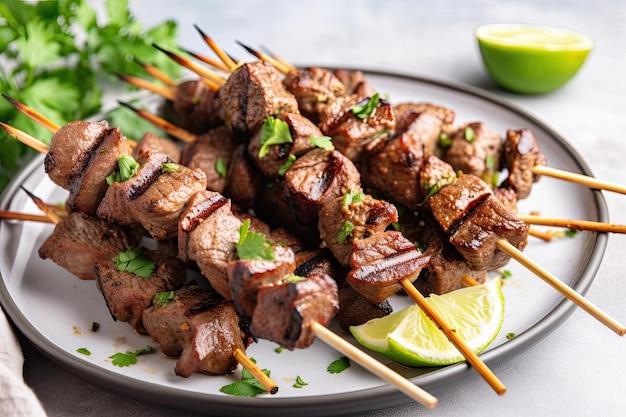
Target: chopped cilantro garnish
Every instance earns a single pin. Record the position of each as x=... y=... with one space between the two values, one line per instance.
x=161 y=299
x=352 y=197
x=299 y=382
x=419 y=245
x=571 y=232
x=292 y=279
x=288 y=163
x=132 y=260
x=505 y=274
x=122 y=359
x=470 y=136
x=170 y=167
x=95 y=326
x=84 y=351
x=338 y=365
x=248 y=386
x=444 y=140
x=128 y=167
x=273 y=132
x=510 y=335
x=220 y=168
x=490 y=162
x=345 y=231
x=363 y=111
x=253 y=245
x=279 y=349
x=323 y=142
x=432 y=189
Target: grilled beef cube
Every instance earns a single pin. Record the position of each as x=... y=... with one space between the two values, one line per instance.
x=247 y=276
x=354 y=82
x=354 y=309
x=128 y=294
x=200 y=328
x=446 y=267
x=88 y=188
x=206 y=151
x=507 y=197
x=282 y=237
x=380 y=261
x=364 y=218
x=196 y=107
x=154 y=197
x=151 y=141
x=315 y=179
x=444 y=114
x=319 y=262
x=79 y=242
x=477 y=235
x=453 y=202
x=475 y=149
x=212 y=233
x=393 y=167
x=253 y=92
x=243 y=179
x=435 y=174
x=350 y=133
x=313 y=87
x=301 y=130
x=520 y=154
x=71 y=148
x=285 y=311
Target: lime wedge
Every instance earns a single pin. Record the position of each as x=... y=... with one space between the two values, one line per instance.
x=409 y=337
x=532 y=59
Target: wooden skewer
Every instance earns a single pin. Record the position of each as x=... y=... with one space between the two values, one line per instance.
x=164 y=92
x=450 y=333
x=47 y=209
x=469 y=281
x=251 y=367
x=26 y=139
x=226 y=59
x=210 y=61
x=157 y=73
x=561 y=287
x=204 y=73
x=177 y=132
x=279 y=59
x=264 y=57
x=407 y=387
x=32 y=114
x=12 y=215
x=574 y=224
x=540 y=234
x=578 y=178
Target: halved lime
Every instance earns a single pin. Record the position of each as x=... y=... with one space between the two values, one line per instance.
x=409 y=337
x=532 y=59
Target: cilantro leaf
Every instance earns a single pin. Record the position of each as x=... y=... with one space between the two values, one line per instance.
x=132 y=260
x=338 y=365
x=220 y=168
x=37 y=45
x=288 y=163
x=162 y=299
x=128 y=358
x=170 y=167
x=366 y=107
x=253 y=245
x=323 y=142
x=128 y=168
x=84 y=351
x=248 y=386
x=273 y=132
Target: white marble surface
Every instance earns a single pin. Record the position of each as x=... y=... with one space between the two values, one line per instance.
x=580 y=369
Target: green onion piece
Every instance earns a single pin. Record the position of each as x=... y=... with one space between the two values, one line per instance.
x=353 y=197
x=273 y=132
x=363 y=111
x=338 y=365
x=128 y=167
x=84 y=351
x=345 y=231
x=444 y=140
x=470 y=136
x=288 y=163
x=220 y=168
x=323 y=142
x=292 y=279
x=170 y=167
x=299 y=382
x=132 y=260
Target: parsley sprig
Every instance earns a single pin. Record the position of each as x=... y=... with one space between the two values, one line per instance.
x=248 y=386
x=253 y=245
x=132 y=260
x=128 y=358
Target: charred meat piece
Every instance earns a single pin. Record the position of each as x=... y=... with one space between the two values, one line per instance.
x=313 y=87
x=244 y=180
x=351 y=133
x=474 y=149
x=247 y=276
x=347 y=219
x=196 y=107
x=199 y=328
x=211 y=152
x=507 y=197
x=316 y=178
x=380 y=261
x=354 y=309
x=520 y=154
x=301 y=130
x=477 y=235
x=128 y=294
x=354 y=82
x=213 y=233
x=71 y=148
x=79 y=242
x=88 y=188
x=151 y=141
x=434 y=175
x=285 y=311
x=253 y=92
x=445 y=114
x=393 y=166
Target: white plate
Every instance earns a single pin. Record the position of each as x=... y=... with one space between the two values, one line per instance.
x=55 y=310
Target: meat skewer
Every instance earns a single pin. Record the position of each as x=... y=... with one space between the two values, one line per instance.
x=24 y=216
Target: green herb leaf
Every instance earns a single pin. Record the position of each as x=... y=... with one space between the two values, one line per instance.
x=470 y=136
x=292 y=279
x=170 y=167
x=162 y=299
x=323 y=142
x=279 y=349
x=363 y=111
x=128 y=167
x=299 y=382
x=444 y=140
x=132 y=260
x=84 y=351
x=338 y=365
x=345 y=231
x=242 y=389
x=510 y=335
x=288 y=163
x=433 y=189
x=571 y=232
x=353 y=197
x=505 y=274
x=95 y=326
x=128 y=358
x=396 y=226
x=490 y=162
x=220 y=168
x=273 y=132
x=253 y=245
